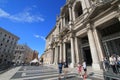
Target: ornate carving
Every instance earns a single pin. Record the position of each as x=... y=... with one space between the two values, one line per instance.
x=72 y=35
x=88 y=26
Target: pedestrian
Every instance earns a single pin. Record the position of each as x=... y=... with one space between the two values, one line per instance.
x=65 y=69
x=106 y=64
x=80 y=69
x=84 y=68
x=118 y=63
x=113 y=61
x=60 y=65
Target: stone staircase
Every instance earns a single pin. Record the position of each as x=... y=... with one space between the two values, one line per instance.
x=96 y=75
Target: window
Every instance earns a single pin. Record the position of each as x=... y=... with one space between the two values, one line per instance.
x=5 y=35
x=1 y=55
x=78 y=9
x=3 y=39
x=7 y=41
x=1 y=44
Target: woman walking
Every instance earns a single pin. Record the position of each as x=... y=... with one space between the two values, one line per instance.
x=85 y=69
x=80 y=69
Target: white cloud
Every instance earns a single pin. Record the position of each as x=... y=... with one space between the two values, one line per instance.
x=42 y=38
x=38 y=36
x=25 y=16
x=4 y=14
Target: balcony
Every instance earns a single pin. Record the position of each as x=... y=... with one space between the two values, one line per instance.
x=64 y=30
x=79 y=21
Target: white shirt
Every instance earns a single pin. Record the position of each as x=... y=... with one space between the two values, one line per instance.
x=112 y=60
x=84 y=65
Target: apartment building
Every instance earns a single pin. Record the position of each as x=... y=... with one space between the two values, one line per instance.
x=8 y=43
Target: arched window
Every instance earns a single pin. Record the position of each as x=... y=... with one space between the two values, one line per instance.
x=67 y=19
x=78 y=9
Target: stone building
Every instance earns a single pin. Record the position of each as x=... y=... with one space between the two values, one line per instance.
x=85 y=29
x=35 y=54
x=23 y=54
x=8 y=42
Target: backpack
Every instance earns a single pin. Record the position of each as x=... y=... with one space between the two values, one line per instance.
x=60 y=64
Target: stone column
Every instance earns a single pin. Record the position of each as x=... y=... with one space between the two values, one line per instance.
x=56 y=55
x=52 y=53
x=70 y=16
x=53 y=50
x=63 y=20
x=93 y=49
x=61 y=51
x=72 y=53
x=64 y=52
x=77 y=50
x=70 y=13
x=99 y=44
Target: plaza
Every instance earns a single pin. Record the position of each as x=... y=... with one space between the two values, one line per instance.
x=47 y=72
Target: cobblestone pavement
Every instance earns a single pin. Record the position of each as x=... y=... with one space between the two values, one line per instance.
x=41 y=73
x=49 y=72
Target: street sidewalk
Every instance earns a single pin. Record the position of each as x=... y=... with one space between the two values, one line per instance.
x=8 y=74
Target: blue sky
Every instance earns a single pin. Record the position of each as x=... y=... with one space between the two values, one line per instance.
x=31 y=20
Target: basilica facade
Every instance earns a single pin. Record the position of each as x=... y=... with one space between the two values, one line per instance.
x=84 y=29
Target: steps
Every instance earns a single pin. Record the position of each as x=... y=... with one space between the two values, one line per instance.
x=96 y=75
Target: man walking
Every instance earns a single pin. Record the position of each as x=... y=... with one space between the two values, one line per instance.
x=60 y=65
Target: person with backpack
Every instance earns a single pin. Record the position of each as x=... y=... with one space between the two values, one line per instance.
x=85 y=69
x=65 y=69
x=60 y=65
x=113 y=61
x=106 y=64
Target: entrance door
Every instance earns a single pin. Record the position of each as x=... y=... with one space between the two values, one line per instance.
x=87 y=56
x=68 y=53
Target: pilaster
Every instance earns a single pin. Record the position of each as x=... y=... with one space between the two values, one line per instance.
x=72 y=52
x=56 y=55
x=61 y=51
x=93 y=49
x=119 y=12
x=70 y=12
x=99 y=44
x=77 y=50
x=64 y=52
